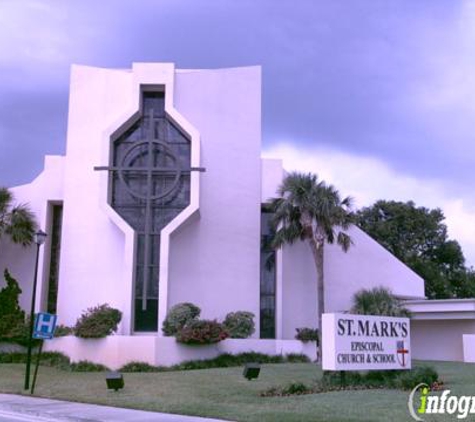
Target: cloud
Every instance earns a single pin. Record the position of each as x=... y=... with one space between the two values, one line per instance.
x=368 y=179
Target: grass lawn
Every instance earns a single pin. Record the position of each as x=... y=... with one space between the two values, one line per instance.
x=224 y=393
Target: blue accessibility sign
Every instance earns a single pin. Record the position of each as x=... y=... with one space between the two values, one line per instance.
x=45 y=325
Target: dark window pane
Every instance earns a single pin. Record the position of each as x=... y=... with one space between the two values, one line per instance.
x=57 y=222
x=268 y=274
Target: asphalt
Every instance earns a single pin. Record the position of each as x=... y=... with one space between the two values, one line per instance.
x=25 y=408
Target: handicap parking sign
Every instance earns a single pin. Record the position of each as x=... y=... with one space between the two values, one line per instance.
x=45 y=325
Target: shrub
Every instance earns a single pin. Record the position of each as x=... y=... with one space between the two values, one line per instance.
x=296 y=388
x=12 y=317
x=407 y=380
x=297 y=358
x=20 y=333
x=239 y=324
x=55 y=360
x=98 y=322
x=87 y=366
x=63 y=330
x=178 y=316
x=378 y=301
x=139 y=367
x=224 y=360
x=201 y=331
x=404 y=379
x=52 y=359
x=307 y=334
x=291 y=389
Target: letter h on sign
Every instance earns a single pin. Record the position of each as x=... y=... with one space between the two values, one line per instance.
x=44 y=326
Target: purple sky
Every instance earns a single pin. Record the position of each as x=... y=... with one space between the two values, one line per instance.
x=382 y=90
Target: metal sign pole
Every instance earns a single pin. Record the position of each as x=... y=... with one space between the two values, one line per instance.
x=38 y=357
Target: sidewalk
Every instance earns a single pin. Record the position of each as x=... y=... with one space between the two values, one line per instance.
x=56 y=410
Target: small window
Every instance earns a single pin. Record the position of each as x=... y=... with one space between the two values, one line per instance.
x=268 y=277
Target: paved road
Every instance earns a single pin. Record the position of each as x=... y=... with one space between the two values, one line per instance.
x=31 y=409
x=19 y=417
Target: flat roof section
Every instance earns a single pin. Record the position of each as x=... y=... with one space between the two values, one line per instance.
x=441 y=309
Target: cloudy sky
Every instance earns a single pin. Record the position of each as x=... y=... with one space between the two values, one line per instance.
x=376 y=96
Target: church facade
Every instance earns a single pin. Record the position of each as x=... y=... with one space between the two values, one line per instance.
x=161 y=199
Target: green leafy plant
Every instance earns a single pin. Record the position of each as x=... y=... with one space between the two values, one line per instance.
x=63 y=330
x=87 y=366
x=136 y=366
x=201 y=331
x=353 y=380
x=403 y=379
x=52 y=359
x=307 y=334
x=17 y=221
x=178 y=316
x=407 y=380
x=296 y=358
x=378 y=301
x=98 y=322
x=12 y=317
x=294 y=388
x=239 y=324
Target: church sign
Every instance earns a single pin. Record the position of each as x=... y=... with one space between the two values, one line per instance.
x=363 y=342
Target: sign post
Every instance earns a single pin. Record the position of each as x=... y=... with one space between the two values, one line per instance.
x=45 y=324
x=365 y=342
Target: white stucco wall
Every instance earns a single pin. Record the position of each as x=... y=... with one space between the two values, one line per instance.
x=367 y=264
x=299 y=289
x=20 y=261
x=439 y=339
x=116 y=351
x=214 y=259
x=92 y=263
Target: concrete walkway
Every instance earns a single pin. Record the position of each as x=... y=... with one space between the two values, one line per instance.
x=24 y=408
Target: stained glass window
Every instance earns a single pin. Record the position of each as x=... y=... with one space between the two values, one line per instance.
x=150 y=186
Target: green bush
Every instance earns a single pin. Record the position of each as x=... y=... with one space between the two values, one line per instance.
x=20 y=333
x=297 y=358
x=178 y=316
x=63 y=330
x=294 y=388
x=378 y=301
x=140 y=367
x=201 y=331
x=55 y=360
x=97 y=322
x=407 y=380
x=297 y=388
x=225 y=360
x=402 y=379
x=239 y=324
x=87 y=366
x=307 y=334
x=52 y=359
x=12 y=317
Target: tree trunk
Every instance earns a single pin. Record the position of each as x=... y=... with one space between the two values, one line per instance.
x=317 y=251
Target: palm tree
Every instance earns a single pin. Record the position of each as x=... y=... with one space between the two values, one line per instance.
x=16 y=221
x=313 y=211
x=378 y=301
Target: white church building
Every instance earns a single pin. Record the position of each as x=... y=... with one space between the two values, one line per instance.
x=161 y=199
